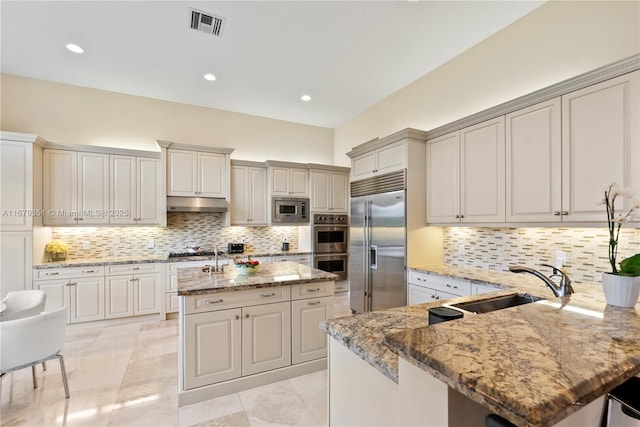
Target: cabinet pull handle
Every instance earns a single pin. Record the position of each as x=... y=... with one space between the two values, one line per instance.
x=457 y=216
x=88 y=271
x=564 y=213
x=134 y=268
x=272 y=294
x=53 y=274
x=214 y=302
x=461 y=216
x=72 y=283
x=313 y=303
x=313 y=290
x=556 y=213
x=80 y=219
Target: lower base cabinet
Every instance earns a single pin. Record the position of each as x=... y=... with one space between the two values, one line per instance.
x=248 y=338
x=132 y=295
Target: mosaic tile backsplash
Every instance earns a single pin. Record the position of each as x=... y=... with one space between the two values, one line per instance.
x=184 y=230
x=498 y=248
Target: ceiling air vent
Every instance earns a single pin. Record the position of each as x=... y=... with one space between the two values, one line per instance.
x=207 y=23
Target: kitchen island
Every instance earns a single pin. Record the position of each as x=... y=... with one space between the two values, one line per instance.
x=539 y=364
x=238 y=331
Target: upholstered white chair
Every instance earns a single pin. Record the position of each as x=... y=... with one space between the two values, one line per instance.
x=31 y=340
x=23 y=304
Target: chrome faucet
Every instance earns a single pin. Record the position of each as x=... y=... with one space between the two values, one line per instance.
x=559 y=289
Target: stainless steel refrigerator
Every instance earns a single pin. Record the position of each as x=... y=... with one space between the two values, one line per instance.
x=377 y=245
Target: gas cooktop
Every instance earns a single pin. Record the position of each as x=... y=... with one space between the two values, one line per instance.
x=194 y=254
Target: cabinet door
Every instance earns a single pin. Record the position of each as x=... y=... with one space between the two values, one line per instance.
x=240 y=195
x=149 y=206
x=182 y=176
x=534 y=164
x=391 y=158
x=279 y=181
x=339 y=185
x=60 y=187
x=258 y=196
x=93 y=188
x=363 y=166
x=419 y=295
x=299 y=182
x=320 y=191
x=146 y=294
x=308 y=341
x=266 y=337
x=119 y=296
x=86 y=299
x=212 y=175
x=443 y=179
x=213 y=347
x=123 y=189
x=15 y=261
x=57 y=293
x=16 y=185
x=482 y=172
x=600 y=144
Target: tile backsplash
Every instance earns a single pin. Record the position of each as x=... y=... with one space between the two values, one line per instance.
x=498 y=248
x=183 y=230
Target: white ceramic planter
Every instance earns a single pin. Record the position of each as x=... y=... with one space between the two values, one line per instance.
x=621 y=291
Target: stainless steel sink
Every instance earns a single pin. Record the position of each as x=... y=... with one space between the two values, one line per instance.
x=496 y=303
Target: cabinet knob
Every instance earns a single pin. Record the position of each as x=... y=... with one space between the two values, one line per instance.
x=457 y=216
x=556 y=213
x=565 y=213
x=246 y=315
x=237 y=317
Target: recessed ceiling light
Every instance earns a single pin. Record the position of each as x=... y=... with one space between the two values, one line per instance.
x=209 y=77
x=305 y=98
x=74 y=48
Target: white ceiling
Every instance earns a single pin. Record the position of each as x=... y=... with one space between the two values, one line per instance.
x=348 y=55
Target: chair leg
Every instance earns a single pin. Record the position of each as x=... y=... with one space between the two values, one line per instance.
x=604 y=418
x=64 y=376
x=33 y=374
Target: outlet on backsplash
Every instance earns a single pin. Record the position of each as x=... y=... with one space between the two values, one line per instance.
x=560 y=259
x=86 y=245
x=462 y=250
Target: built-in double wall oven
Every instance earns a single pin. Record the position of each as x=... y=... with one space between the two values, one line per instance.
x=330 y=241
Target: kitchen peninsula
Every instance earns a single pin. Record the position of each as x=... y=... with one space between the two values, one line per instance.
x=539 y=364
x=238 y=331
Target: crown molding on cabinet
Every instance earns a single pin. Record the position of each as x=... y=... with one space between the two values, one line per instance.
x=378 y=143
x=202 y=148
x=589 y=78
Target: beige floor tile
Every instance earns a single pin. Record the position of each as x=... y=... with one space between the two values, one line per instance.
x=278 y=403
x=313 y=390
x=214 y=411
x=151 y=413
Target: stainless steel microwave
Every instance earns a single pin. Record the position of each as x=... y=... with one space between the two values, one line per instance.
x=290 y=210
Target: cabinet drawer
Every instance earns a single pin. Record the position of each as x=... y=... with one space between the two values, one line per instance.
x=303 y=259
x=174 y=266
x=444 y=284
x=65 y=273
x=341 y=287
x=231 y=299
x=311 y=290
x=172 y=302
x=134 y=268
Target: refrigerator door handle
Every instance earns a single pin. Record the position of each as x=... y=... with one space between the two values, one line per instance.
x=374 y=257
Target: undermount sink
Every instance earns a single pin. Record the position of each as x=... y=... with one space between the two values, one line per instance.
x=496 y=303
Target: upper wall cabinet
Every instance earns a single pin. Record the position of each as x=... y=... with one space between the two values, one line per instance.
x=198 y=173
x=288 y=179
x=600 y=144
x=329 y=189
x=534 y=163
x=76 y=188
x=465 y=175
x=136 y=190
x=385 y=159
x=248 y=193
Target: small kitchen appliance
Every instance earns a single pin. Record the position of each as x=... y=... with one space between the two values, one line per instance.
x=235 y=248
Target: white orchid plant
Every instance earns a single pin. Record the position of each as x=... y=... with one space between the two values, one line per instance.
x=629 y=266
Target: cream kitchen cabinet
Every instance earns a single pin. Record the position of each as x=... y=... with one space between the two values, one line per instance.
x=288 y=179
x=248 y=194
x=266 y=337
x=171 y=282
x=80 y=289
x=16 y=248
x=136 y=191
x=302 y=259
x=382 y=160
x=75 y=187
x=311 y=303
x=424 y=287
x=534 y=163
x=198 y=173
x=132 y=290
x=466 y=175
x=600 y=144
x=329 y=190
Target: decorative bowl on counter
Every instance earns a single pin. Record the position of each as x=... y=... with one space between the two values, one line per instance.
x=246 y=267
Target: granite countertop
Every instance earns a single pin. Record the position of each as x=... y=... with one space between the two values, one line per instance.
x=87 y=262
x=533 y=364
x=193 y=281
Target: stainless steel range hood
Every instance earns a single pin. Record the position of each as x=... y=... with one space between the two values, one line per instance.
x=195 y=204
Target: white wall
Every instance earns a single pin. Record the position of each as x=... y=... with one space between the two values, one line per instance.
x=78 y=115
x=557 y=41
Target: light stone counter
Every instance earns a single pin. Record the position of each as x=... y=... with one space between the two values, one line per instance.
x=533 y=364
x=194 y=281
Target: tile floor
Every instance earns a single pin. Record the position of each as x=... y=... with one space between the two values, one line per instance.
x=124 y=373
